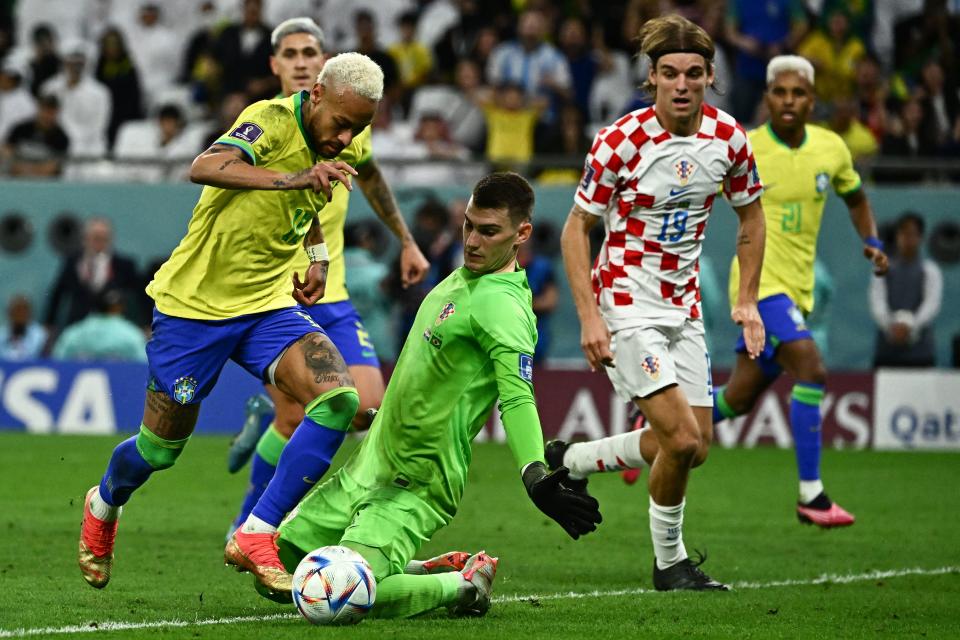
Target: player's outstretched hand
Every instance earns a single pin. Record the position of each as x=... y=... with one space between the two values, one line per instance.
x=321 y=176
x=577 y=513
x=413 y=265
x=878 y=258
x=754 y=336
x=313 y=286
x=595 y=342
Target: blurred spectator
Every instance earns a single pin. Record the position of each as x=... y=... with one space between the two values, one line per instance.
x=458 y=40
x=834 y=51
x=613 y=84
x=931 y=34
x=511 y=123
x=36 y=148
x=860 y=16
x=872 y=92
x=166 y=137
x=543 y=286
x=362 y=242
x=818 y=322
x=69 y=16
x=116 y=71
x=104 y=335
x=855 y=134
x=571 y=142
x=366 y=43
x=85 y=103
x=243 y=52
x=156 y=51
x=339 y=17
x=886 y=13
x=16 y=103
x=463 y=116
x=45 y=62
x=21 y=338
x=200 y=70
x=230 y=109
x=436 y=18
x=83 y=276
x=582 y=61
x=941 y=105
x=430 y=140
x=758 y=34
x=414 y=61
x=906 y=139
x=533 y=64
x=429 y=225
x=905 y=303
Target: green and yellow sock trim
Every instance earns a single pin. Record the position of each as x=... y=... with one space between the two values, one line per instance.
x=806 y=393
x=725 y=409
x=159 y=453
x=271 y=445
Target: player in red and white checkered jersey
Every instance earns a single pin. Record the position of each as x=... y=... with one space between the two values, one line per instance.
x=652 y=177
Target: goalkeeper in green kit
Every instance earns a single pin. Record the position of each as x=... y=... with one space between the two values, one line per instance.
x=472 y=342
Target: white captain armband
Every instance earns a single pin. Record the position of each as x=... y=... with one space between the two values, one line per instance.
x=318 y=253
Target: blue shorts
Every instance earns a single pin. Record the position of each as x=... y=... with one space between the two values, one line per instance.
x=782 y=322
x=341 y=322
x=185 y=356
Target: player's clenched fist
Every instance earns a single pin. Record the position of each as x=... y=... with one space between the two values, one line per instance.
x=577 y=513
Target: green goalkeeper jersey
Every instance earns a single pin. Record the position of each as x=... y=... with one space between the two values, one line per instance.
x=472 y=342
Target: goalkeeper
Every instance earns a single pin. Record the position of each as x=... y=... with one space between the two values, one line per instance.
x=472 y=341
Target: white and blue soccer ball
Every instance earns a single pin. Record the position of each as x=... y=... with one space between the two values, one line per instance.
x=334 y=585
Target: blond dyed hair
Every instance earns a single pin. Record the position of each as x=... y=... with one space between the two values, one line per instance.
x=355 y=71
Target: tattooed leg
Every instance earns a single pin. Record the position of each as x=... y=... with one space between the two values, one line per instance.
x=311 y=367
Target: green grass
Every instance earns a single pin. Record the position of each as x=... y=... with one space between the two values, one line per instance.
x=169 y=552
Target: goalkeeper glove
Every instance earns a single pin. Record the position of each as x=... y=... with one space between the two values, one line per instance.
x=577 y=513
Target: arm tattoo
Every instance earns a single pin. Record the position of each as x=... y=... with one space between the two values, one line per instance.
x=383 y=203
x=743 y=239
x=324 y=361
x=170 y=419
x=229 y=162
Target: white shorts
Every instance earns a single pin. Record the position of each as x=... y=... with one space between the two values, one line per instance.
x=653 y=357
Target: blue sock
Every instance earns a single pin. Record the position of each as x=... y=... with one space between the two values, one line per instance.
x=126 y=472
x=261 y=472
x=304 y=460
x=805 y=421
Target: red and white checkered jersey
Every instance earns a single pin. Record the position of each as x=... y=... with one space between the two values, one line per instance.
x=655 y=190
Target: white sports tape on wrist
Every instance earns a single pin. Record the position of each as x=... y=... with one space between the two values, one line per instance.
x=318 y=252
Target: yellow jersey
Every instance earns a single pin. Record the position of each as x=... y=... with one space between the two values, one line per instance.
x=795 y=191
x=237 y=256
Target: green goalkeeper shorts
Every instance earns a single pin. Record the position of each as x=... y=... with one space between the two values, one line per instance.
x=390 y=519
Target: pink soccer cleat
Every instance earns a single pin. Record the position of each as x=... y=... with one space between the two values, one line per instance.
x=258 y=554
x=447 y=562
x=479 y=571
x=97 y=538
x=834 y=516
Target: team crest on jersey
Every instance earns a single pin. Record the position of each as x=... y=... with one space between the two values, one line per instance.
x=448 y=310
x=588 y=172
x=823 y=181
x=247 y=131
x=526 y=367
x=184 y=389
x=685 y=170
x=651 y=365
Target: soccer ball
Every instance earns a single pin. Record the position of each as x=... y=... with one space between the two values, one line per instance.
x=334 y=585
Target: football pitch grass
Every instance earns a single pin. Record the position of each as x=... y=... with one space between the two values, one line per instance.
x=896 y=573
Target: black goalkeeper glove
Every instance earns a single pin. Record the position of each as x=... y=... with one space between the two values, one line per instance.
x=577 y=513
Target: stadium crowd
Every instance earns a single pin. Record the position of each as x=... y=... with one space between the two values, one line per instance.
x=99 y=89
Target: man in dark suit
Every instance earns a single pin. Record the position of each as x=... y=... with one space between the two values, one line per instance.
x=96 y=268
x=243 y=51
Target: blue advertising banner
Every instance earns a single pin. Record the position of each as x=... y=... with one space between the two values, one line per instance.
x=47 y=396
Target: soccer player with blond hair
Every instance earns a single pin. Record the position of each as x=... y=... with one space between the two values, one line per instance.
x=225 y=293
x=298 y=59
x=800 y=163
x=652 y=177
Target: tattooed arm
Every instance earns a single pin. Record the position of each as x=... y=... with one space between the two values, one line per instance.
x=229 y=167
x=751 y=237
x=413 y=265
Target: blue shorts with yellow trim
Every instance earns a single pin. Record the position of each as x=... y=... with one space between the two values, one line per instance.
x=782 y=322
x=342 y=323
x=186 y=356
